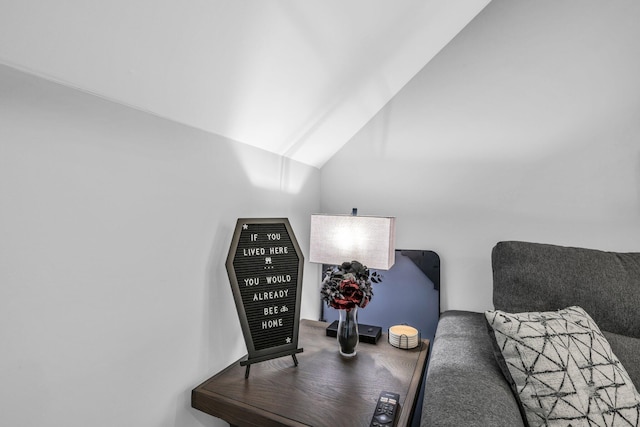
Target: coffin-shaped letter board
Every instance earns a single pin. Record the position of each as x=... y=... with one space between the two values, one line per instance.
x=265 y=270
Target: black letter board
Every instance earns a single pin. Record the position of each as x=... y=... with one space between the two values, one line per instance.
x=265 y=270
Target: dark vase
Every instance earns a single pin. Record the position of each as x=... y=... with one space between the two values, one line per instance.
x=348 y=332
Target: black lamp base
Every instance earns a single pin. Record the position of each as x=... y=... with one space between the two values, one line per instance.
x=366 y=333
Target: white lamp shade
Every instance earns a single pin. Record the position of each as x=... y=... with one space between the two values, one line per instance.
x=369 y=240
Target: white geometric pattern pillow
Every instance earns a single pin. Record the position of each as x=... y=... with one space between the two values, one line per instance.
x=562 y=369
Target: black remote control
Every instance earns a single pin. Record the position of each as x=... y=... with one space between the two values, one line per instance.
x=386 y=410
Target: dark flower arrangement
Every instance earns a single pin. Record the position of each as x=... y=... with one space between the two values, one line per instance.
x=348 y=285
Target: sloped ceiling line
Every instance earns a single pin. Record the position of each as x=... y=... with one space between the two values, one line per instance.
x=295 y=78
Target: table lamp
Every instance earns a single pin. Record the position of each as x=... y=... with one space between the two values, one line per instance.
x=369 y=240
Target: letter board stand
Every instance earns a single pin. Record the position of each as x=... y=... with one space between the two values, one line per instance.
x=265 y=266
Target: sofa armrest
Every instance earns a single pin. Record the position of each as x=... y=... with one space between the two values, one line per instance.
x=464 y=385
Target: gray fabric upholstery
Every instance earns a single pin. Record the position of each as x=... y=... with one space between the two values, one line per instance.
x=628 y=351
x=540 y=277
x=464 y=385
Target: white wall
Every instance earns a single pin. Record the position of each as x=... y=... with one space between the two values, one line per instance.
x=525 y=127
x=114 y=230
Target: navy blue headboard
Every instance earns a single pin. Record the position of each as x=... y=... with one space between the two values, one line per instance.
x=409 y=294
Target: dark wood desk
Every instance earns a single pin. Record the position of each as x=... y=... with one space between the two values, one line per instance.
x=325 y=389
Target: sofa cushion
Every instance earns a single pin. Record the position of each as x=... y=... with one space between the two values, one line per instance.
x=542 y=277
x=562 y=369
x=464 y=385
x=628 y=351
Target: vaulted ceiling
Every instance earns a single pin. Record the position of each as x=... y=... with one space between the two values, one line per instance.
x=297 y=78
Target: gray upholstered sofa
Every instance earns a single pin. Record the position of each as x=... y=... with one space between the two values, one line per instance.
x=465 y=385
